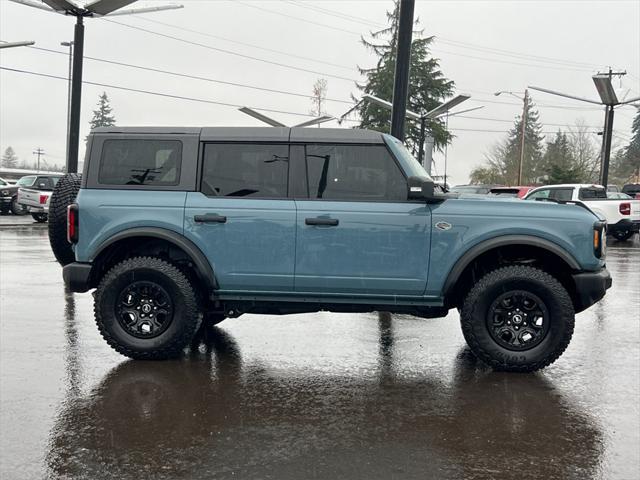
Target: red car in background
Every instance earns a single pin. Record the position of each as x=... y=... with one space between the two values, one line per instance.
x=518 y=192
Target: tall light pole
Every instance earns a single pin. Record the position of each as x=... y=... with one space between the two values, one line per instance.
x=523 y=129
x=70 y=45
x=98 y=8
x=609 y=100
x=403 y=63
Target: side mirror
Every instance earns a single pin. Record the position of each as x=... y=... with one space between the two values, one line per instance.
x=421 y=188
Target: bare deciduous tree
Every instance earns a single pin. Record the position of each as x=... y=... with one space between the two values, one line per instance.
x=318 y=97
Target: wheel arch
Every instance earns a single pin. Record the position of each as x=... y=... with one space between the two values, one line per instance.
x=202 y=268
x=530 y=248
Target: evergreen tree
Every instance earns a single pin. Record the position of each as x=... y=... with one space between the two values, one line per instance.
x=103 y=116
x=427 y=85
x=626 y=163
x=560 y=164
x=503 y=162
x=9 y=158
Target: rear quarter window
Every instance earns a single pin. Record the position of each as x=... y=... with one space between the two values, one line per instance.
x=140 y=162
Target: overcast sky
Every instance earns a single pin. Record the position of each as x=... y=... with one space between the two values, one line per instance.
x=482 y=46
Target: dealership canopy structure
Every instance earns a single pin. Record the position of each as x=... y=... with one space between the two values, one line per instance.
x=609 y=100
x=99 y=8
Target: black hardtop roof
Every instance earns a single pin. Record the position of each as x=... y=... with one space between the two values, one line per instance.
x=255 y=134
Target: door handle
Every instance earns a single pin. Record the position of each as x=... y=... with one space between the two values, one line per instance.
x=210 y=218
x=327 y=222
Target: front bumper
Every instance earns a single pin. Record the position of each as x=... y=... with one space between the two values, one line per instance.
x=590 y=287
x=76 y=275
x=624 y=225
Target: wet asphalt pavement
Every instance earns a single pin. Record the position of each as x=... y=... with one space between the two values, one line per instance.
x=307 y=396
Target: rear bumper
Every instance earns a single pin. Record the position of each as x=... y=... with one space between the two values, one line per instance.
x=590 y=287
x=624 y=225
x=76 y=276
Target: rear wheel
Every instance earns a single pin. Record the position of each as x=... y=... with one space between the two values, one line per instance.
x=518 y=318
x=146 y=308
x=622 y=235
x=63 y=195
x=18 y=209
x=40 y=217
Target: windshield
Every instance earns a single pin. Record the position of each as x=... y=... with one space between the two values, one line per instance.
x=3 y=183
x=408 y=162
x=26 y=181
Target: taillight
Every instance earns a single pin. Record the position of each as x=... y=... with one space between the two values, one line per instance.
x=72 y=223
x=625 y=208
x=43 y=199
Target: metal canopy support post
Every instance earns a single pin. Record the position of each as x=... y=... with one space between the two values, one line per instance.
x=403 y=63
x=76 y=97
x=423 y=126
x=608 y=132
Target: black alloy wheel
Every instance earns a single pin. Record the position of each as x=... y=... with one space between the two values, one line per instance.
x=144 y=309
x=518 y=320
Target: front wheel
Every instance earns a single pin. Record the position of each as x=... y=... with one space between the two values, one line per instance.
x=146 y=308
x=622 y=235
x=518 y=318
x=40 y=217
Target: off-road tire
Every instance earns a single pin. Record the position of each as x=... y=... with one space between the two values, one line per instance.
x=63 y=195
x=622 y=235
x=40 y=217
x=186 y=317
x=473 y=318
x=16 y=208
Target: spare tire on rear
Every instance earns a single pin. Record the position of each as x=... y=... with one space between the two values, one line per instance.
x=63 y=195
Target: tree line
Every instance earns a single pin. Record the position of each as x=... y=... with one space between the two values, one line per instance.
x=570 y=156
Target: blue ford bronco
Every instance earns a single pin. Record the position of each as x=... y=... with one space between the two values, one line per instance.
x=177 y=229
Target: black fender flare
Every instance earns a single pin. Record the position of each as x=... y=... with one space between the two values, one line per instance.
x=470 y=255
x=204 y=270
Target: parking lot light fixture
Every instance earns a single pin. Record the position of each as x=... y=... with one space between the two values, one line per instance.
x=25 y=43
x=98 y=8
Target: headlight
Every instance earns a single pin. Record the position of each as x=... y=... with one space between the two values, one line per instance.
x=600 y=239
x=5 y=193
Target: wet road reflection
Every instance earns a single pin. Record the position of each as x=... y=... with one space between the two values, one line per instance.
x=210 y=415
x=308 y=396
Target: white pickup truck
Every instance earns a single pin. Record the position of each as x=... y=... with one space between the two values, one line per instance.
x=34 y=192
x=622 y=215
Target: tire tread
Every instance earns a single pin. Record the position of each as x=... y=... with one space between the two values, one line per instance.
x=180 y=341
x=468 y=315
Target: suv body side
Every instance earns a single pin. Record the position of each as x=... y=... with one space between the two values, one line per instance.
x=266 y=248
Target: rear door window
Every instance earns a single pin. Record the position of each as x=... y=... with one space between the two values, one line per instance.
x=140 y=162
x=354 y=172
x=592 y=193
x=561 y=194
x=245 y=170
